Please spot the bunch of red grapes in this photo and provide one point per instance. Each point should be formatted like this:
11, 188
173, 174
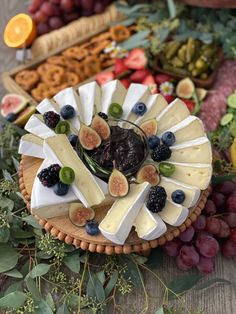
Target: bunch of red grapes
53, 14
212, 232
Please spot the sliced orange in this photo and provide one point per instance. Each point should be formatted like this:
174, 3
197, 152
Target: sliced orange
20, 31
233, 153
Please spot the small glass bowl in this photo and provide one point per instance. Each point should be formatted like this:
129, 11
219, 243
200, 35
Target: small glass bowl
104, 173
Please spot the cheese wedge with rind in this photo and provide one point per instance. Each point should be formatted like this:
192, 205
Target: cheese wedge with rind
135, 93
47, 105
31, 145
85, 187
112, 92
68, 96
149, 225
155, 105
198, 150
36, 126
120, 218
192, 194
198, 175
173, 214
175, 112
90, 98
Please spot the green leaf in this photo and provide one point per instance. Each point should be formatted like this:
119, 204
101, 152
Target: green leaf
33, 289
160, 311
221, 179
7, 175
15, 163
8, 257
134, 39
43, 308
183, 283
111, 283
31, 220
6, 203
16, 286
73, 301
44, 255
95, 288
21, 234
14, 273
39, 270
50, 301
139, 258
13, 300
72, 261
171, 8
211, 282
101, 276
155, 259
63, 309
132, 272
4, 234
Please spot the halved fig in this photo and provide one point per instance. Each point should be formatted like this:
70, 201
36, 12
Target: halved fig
201, 93
118, 185
79, 214
149, 127
101, 127
185, 88
148, 173
89, 138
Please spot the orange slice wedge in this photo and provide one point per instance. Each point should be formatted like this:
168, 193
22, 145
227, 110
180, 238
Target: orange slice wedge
20, 31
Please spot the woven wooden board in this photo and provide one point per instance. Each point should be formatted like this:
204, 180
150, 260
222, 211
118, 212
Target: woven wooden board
63, 229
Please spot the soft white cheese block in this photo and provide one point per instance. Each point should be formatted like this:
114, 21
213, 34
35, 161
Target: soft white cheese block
198, 150
36, 126
31, 145
192, 194
119, 219
173, 214
85, 187
90, 98
198, 175
149, 225
155, 105
175, 112
68, 96
112, 92
47, 105
135, 93
187, 130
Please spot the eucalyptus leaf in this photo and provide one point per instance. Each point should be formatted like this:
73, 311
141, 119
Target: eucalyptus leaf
156, 258
132, 272
111, 283
15, 163
4, 234
171, 8
31, 220
7, 175
126, 22
43, 308
13, 300
33, 289
72, 301
6, 203
135, 40
101, 276
95, 288
21, 234
43, 255
14, 273
16, 286
72, 261
139, 258
8, 258
160, 311
50, 301
63, 309
211, 282
39, 270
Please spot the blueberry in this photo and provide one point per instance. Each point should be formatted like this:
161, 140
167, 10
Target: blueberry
11, 117
61, 189
67, 112
139, 108
178, 196
153, 141
91, 227
73, 139
168, 138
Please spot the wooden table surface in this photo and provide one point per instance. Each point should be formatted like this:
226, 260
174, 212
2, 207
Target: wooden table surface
219, 299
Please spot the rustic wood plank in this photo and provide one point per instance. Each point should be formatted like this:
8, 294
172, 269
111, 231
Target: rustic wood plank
217, 300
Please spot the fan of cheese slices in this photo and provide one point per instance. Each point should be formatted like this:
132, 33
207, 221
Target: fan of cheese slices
191, 156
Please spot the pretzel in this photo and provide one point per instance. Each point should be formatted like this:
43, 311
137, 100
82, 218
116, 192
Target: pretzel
27, 79
41, 91
72, 78
54, 76
57, 60
101, 37
76, 52
92, 66
119, 33
43, 68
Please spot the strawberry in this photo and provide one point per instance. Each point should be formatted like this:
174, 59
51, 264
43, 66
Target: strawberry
149, 80
169, 98
136, 59
120, 67
189, 103
126, 82
139, 75
161, 78
104, 77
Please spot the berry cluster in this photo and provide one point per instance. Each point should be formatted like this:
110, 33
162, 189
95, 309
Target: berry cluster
213, 230
156, 199
160, 147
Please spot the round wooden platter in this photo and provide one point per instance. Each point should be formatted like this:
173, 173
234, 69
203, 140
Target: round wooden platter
63, 229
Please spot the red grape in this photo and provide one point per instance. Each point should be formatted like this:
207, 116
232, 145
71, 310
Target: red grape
87, 4
226, 187
99, 7
68, 17
55, 1
43, 28
188, 255
67, 4
34, 6
55, 22
40, 17
77, 3
230, 219
224, 230
207, 245
172, 247
85, 12
200, 223
206, 265
187, 235
48, 9
231, 203
218, 199
229, 249
181, 265
232, 235
210, 208
213, 225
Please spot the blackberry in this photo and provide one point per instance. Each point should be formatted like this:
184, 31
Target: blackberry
156, 199
161, 152
103, 115
51, 119
49, 176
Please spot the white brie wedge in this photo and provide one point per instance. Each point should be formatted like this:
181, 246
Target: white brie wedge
47, 105
149, 225
112, 92
173, 214
31, 145
120, 218
36, 126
